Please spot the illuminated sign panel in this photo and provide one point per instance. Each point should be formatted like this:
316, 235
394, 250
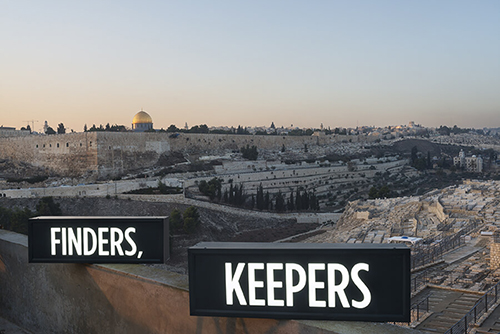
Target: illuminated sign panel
362, 282
98, 240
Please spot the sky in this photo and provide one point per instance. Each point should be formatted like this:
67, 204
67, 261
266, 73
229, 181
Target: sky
250, 63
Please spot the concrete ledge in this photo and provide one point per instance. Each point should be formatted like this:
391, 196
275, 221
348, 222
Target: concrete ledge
78, 298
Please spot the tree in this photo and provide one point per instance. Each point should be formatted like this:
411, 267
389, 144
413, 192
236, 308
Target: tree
249, 153
272, 125
175, 219
191, 219
60, 128
85, 128
266, 201
291, 204
199, 129
444, 130
260, 197
47, 207
212, 188
384, 191
373, 193
420, 164
50, 131
414, 151
298, 200
242, 131
280, 202
172, 128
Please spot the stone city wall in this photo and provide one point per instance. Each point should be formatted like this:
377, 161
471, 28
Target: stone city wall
111, 154
66, 154
4, 132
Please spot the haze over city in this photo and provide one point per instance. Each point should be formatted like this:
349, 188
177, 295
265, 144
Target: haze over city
252, 63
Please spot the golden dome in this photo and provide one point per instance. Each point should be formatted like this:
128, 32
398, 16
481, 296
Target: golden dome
142, 117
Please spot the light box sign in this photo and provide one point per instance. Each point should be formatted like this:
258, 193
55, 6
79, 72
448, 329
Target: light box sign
98, 240
362, 282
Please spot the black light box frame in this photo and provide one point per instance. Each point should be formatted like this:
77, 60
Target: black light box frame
216, 268
98, 239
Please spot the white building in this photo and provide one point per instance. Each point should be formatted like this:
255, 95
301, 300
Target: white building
470, 164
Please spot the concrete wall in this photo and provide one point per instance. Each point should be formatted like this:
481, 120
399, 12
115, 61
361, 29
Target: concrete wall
76, 298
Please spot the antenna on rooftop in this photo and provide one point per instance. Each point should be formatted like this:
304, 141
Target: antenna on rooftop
32, 123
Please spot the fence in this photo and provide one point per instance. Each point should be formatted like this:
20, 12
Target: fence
417, 311
432, 250
418, 281
481, 307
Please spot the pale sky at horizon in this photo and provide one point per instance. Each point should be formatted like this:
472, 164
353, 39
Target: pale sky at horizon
340, 63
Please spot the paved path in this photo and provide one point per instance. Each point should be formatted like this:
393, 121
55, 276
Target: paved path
447, 308
462, 252
491, 324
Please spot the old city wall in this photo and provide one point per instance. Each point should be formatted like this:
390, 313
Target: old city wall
111, 154
66, 154
206, 143
79, 298
119, 153
13, 133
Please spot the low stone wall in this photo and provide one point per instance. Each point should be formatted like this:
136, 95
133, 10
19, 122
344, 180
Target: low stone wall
77, 298
494, 255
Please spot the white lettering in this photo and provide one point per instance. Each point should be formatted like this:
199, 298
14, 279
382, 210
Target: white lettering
253, 284
233, 284
63, 240
75, 241
115, 243
53, 240
272, 284
86, 240
102, 240
337, 289
314, 285
87, 251
336, 280
290, 288
367, 297
131, 242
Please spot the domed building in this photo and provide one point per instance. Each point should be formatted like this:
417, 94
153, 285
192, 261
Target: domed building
142, 122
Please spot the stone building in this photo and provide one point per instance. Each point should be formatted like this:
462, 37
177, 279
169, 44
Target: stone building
470, 164
142, 122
